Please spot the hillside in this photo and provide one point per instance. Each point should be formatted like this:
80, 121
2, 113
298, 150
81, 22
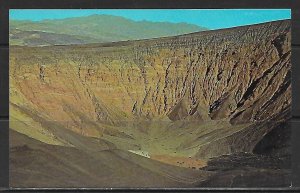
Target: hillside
91, 29
195, 102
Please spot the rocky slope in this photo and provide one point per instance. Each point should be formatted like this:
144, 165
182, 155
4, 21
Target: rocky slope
198, 95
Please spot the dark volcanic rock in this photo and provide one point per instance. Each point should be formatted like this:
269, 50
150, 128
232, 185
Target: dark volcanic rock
276, 142
249, 170
243, 160
249, 177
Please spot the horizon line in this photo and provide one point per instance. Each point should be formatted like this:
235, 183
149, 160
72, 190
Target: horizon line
207, 18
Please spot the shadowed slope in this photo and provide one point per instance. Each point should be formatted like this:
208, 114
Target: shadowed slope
57, 166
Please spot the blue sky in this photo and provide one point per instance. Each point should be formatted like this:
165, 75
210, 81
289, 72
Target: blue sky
212, 19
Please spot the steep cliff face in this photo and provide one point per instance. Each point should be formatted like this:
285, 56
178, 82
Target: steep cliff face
224, 83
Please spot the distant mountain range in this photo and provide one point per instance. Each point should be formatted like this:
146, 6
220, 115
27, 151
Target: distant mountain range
92, 29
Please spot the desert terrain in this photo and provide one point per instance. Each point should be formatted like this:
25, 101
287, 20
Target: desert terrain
204, 109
